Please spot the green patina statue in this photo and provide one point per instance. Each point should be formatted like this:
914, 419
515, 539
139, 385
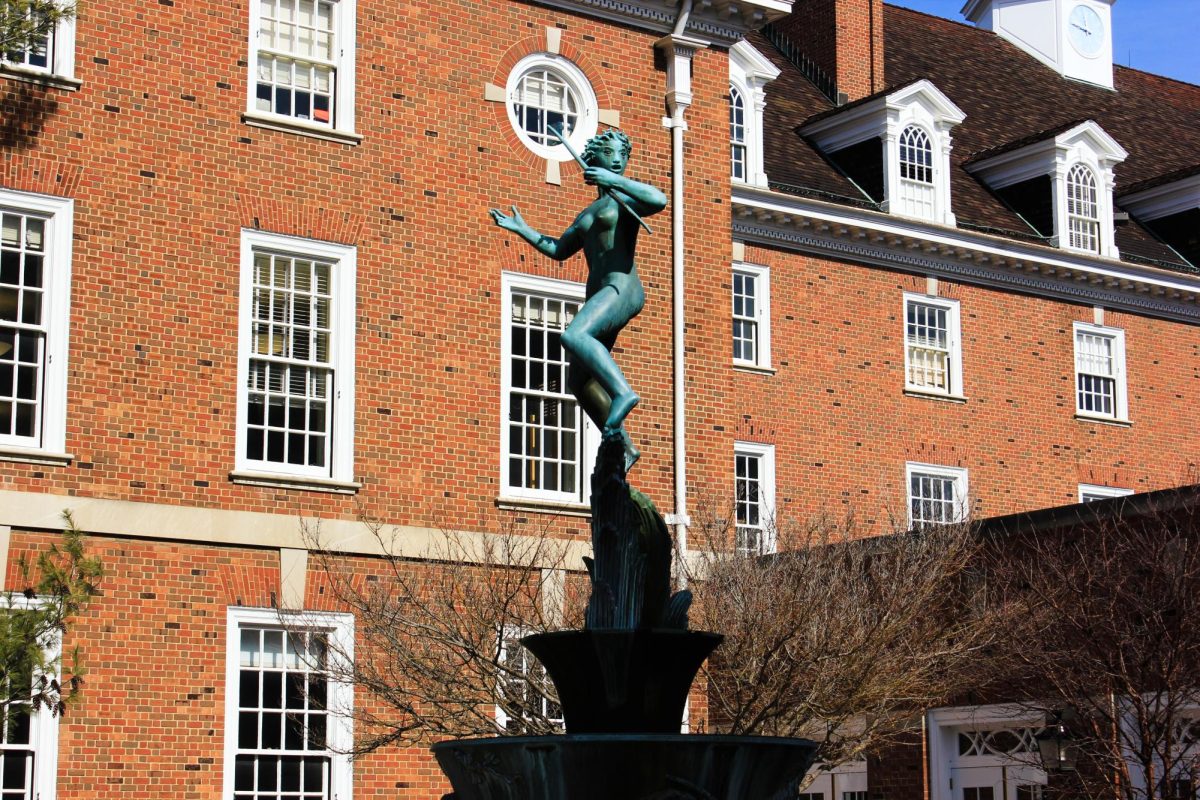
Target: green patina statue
607, 232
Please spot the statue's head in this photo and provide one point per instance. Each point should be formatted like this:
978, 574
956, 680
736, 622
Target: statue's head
611, 139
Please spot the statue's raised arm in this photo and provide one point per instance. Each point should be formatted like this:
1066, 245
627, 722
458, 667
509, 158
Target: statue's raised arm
607, 232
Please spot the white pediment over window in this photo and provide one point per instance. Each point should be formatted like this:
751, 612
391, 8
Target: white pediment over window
1078, 163
749, 73
914, 125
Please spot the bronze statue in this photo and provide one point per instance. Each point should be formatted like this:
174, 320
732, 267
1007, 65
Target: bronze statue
607, 232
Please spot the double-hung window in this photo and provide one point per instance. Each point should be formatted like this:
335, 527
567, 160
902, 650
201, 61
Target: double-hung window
936, 495
547, 441
28, 735
296, 370
50, 53
287, 714
751, 316
1100, 372
737, 134
1083, 210
754, 498
918, 191
526, 692
302, 63
932, 346
35, 282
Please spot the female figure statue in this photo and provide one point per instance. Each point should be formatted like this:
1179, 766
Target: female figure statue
607, 234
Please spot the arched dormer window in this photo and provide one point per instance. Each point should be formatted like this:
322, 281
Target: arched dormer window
737, 134
1083, 210
749, 73
896, 148
918, 193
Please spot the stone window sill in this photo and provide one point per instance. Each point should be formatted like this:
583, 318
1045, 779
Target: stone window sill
301, 482
543, 506
18, 455
945, 398
40, 78
279, 123
1120, 423
753, 368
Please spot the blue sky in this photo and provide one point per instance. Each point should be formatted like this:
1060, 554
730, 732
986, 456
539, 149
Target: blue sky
1159, 36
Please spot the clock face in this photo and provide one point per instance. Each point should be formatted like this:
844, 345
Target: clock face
1085, 31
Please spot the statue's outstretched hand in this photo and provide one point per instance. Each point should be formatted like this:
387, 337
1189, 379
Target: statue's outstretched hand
515, 223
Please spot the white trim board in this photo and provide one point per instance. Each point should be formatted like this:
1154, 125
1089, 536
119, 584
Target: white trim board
813, 226
39, 511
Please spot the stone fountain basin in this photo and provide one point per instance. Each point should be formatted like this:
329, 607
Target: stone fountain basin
625, 767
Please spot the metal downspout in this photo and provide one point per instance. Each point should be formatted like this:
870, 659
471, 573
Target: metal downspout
679, 49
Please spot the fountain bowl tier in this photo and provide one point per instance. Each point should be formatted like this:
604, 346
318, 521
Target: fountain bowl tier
625, 767
614, 681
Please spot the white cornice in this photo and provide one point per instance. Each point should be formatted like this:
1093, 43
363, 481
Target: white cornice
752, 63
869, 120
1040, 158
717, 21
1163, 201
814, 226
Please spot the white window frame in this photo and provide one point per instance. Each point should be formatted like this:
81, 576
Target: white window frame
761, 317
739, 156
750, 72
1089, 492
1121, 391
511, 635
959, 477
342, 120
589, 440
60, 70
1091, 185
765, 454
954, 366
43, 723
576, 81
342, 326
50, 442
914, 195
340, 699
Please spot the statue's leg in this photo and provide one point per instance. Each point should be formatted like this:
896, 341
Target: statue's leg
595, 403
588, 339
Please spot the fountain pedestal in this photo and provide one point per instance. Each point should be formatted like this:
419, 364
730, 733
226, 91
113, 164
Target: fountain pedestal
623, 684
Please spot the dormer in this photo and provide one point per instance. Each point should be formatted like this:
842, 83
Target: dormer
1169, 206
749, 73
895, 147
1072, 37
1060, 182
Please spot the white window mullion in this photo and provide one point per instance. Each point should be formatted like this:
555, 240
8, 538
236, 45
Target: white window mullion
1100, 386
937, 495
932, 346
296, 367
547, 442
754, 498
751, 295
35, 277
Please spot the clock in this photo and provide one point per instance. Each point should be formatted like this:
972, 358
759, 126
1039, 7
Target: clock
1085, 31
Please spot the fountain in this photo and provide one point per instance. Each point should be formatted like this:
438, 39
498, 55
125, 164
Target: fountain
623, 680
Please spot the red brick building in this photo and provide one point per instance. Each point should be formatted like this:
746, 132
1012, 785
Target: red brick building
248, 277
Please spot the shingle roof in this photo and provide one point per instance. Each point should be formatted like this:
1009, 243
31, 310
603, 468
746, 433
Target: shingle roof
1010, 99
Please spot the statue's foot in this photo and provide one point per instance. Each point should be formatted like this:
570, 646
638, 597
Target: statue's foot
622, 404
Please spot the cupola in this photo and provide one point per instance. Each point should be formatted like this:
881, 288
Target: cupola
1072, 37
